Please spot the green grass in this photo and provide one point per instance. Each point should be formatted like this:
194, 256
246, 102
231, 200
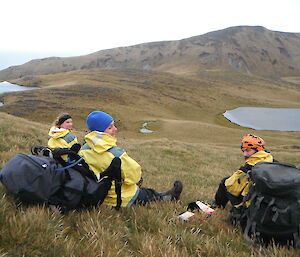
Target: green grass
191, 142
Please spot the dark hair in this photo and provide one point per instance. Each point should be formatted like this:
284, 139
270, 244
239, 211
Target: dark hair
62, 118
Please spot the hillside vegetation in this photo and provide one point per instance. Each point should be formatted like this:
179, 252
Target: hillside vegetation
192, 142
246, 49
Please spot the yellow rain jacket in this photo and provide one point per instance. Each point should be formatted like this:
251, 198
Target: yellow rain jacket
97, 156
61, 138
239, 184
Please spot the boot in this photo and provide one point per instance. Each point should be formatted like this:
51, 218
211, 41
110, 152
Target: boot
213, 204
173, 193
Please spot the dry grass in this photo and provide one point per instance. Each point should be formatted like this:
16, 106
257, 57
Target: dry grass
295, 80
191, 142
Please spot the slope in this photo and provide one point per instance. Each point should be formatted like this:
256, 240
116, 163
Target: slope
246, 49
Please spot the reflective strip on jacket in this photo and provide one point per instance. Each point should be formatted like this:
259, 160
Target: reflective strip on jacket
61, 138
239, 184
97, 156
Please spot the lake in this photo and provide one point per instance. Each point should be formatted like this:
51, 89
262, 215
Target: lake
258, 118
144, 129
6, 87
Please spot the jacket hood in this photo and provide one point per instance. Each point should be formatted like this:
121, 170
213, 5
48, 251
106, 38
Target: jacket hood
56, 132
260, 156
99, 141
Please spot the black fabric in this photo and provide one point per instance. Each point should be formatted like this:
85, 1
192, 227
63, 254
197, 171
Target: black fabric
222, 196
41, 150
117, 177
83, 168
274, 212
246, 168
112, 173
75, 148
147, 195
236, 216
278, 179
43, 180
93, 194
31, 178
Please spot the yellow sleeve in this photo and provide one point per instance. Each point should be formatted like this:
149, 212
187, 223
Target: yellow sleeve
237, 183
54, 143
131, 170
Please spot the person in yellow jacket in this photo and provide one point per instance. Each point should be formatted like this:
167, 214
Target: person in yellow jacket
99, 151
60, 133
233, 189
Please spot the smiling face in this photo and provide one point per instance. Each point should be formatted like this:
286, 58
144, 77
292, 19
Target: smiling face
247, 152
67, 124
111, 130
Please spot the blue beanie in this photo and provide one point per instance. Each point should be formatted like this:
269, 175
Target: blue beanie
98, 121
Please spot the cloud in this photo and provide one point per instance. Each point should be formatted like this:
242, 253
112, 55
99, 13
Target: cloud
92, 25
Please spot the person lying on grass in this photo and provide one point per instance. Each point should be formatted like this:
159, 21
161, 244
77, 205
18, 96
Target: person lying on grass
99, 151
233, 189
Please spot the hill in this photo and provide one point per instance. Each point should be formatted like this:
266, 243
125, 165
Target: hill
135, 97
191, 142
246, 49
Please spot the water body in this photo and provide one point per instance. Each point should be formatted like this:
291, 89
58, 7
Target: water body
6, 87
144, 129
282, 119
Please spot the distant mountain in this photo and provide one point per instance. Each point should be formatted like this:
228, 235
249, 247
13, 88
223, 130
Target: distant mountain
10, 58
247, 49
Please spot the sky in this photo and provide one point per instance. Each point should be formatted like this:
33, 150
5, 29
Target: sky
31, 29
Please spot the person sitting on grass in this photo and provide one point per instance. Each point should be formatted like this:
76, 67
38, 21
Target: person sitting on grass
233, 189
99, 151
61, 136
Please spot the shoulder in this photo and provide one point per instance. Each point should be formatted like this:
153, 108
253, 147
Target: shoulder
116, 151
245, 168
69, 137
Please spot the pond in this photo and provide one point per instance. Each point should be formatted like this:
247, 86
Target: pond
6, 87
258, 118
144, 129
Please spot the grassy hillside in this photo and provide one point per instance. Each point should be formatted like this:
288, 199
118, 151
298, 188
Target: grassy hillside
247, 49
191, 142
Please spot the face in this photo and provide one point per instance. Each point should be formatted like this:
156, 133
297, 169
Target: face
67, 124
111, 130
247, 152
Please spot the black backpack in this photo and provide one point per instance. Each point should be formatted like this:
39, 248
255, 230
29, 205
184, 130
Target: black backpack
274, 212
44, 180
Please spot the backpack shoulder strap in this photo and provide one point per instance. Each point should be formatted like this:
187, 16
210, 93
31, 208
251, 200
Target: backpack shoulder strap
114, 170
117, 152
77, 162
70, 166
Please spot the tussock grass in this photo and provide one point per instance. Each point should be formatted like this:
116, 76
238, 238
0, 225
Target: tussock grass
190, 142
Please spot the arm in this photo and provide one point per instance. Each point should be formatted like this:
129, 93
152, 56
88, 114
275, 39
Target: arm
131, 170
239, 181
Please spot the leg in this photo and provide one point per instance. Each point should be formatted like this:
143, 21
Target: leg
147, 195
221, 196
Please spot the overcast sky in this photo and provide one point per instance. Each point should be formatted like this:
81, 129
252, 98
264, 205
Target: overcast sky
40, 28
